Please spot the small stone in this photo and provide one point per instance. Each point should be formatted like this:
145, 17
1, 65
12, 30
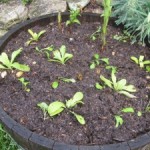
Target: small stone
113, 53
71, 39
34, 62
147, 77
98, 71
3, 74
19, 74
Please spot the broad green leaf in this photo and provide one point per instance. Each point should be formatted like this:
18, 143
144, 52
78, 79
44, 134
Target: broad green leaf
5, 60
63, 51
129, 88
135, 59
67, 57
40, 33
80, 119
2, 67
92, 66
128, 110
57, 55
15, 54
146, 62
121, 84
31, 32
77, 21
106, 81
43, 106
139, 113
55, 108
127, 94
119, 121
75, 100
21, 67
98, 86
55, 85
141, 58
106, 60
114, 80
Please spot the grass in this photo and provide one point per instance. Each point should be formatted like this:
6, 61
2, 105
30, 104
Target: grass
6, 141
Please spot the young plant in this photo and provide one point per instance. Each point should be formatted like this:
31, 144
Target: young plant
67, 80
55, 108
119, 121
140, 61
119, 86
106, 15
7, 63
34, 36
44, 108
55, 84
96, 34
24, 83
45, 50
61, 56
73, 17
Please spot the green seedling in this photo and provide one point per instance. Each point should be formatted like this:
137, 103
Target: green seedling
147, 68
139, 113
67, 80
111, 68
55, 84
24, 83
46, 50
106, 15
34, 36
140, 61
55, 108
61, 56
73, 17
119, 86
119, 121
96, 34
10, 64
95, 62
98, 86
127, 110
44, 108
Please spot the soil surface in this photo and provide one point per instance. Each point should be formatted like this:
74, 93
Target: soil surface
100, 106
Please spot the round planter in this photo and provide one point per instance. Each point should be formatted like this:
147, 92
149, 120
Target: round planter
32, 141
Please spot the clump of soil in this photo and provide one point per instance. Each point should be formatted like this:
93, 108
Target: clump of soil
100, 106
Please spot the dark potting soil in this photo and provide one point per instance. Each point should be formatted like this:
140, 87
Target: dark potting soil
100, 106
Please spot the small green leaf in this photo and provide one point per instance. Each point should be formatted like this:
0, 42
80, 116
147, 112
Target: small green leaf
15, 54
5, 60
106, 60
98, 86
67, 80
80, 118
92, 65
43, 106
96, 56
119, 121
55, 108
139, 113
148, 68
55, 84
127, 94
135, 59
106, 81
21, 67
128, 110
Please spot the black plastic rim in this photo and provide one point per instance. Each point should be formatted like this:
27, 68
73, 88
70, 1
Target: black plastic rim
33, 141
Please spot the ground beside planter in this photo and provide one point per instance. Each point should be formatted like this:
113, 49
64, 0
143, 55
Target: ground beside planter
100, 128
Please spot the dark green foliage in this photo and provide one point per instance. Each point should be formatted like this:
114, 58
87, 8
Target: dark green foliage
135, 16
25, 2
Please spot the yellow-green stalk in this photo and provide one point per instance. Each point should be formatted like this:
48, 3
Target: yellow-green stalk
106, 15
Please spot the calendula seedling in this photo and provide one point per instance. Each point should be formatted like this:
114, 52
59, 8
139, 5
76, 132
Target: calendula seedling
96, 34
44, 108
55, 84
24, 83
119, 86
128, 110
71, 80
73, 17
140, 61
34, 36
57, 107
61, 56
11, 64
46, 50
119, 121
147, 68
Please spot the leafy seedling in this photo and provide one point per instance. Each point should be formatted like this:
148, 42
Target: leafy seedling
119, 121
61, 56
148, 68
95, 61
140, 61
55, 108
55, 84
119, 86
98, 86
24, 83
34, 36
96, 34
127, 110
10, 64
46, 50
44, 108
67, 80
73, 17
